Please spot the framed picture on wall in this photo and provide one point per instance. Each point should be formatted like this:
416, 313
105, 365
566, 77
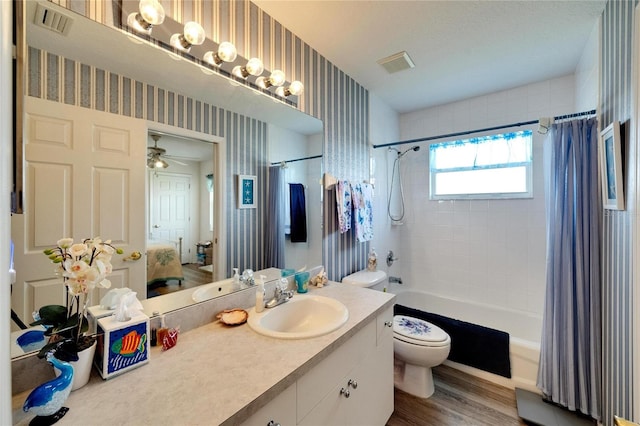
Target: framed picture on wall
611, 167
246, 192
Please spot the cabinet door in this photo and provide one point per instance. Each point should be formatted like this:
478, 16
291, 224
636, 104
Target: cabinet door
280, 410
322, 379
333, 409
370, 388
371, 401
384, 325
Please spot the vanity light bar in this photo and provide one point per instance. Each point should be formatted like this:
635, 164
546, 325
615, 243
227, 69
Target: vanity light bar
151, 13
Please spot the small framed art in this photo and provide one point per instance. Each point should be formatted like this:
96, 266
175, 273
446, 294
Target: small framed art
246, 192
611, 167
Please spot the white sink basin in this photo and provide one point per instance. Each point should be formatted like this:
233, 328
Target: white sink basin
303, 316
211, 290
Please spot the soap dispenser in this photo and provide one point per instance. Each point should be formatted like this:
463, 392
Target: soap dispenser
260, 294
236, 278
372, 261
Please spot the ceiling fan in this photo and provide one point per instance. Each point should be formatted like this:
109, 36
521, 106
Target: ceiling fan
156, 156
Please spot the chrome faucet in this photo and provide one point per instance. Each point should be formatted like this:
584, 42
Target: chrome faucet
281, 294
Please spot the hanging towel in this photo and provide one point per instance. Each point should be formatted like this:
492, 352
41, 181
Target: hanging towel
287, 203
298, 213
343, 203
362, 196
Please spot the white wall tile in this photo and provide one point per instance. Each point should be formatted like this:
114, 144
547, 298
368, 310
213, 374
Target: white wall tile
482, 251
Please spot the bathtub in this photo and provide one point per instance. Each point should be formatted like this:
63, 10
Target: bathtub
524, 333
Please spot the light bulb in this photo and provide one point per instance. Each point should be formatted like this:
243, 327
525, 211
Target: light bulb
227, 52
194, 33
277, 78
262, 82
152, 11
238, 72
254, 66
296, 88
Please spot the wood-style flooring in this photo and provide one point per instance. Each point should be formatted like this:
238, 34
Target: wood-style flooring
459, 400
193, 277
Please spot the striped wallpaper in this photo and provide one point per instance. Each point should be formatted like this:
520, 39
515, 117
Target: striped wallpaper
59, 79
618, 339
330, 95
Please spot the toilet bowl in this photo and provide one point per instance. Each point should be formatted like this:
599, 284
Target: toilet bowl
418, 345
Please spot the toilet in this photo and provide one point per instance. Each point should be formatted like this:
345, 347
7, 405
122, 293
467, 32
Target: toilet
418, 345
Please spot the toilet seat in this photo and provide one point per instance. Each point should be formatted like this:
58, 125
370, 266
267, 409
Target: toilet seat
419, 332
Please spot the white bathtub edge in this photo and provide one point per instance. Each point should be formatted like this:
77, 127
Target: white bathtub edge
524, 367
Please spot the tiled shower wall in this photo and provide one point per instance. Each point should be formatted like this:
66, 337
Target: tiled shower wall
619, 227
330, 95
489, 252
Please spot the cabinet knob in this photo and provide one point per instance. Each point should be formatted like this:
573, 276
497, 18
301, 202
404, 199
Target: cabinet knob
272, 423
352, 383
388, 323
345, 392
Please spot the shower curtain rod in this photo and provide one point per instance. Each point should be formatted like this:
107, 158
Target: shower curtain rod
296, 159
487, 129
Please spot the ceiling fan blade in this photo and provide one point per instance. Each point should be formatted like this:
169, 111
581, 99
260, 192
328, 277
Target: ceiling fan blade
174, 161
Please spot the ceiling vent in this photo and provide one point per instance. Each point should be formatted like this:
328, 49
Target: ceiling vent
397, 62
52, 20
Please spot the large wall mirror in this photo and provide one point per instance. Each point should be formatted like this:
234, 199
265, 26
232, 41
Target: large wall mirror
101, 69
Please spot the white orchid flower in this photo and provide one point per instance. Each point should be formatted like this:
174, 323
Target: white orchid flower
65, 243
77, 250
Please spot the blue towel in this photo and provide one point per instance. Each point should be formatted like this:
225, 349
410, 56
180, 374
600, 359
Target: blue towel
298, 213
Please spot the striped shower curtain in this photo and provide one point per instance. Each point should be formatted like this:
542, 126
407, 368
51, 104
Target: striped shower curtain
570, 353
274, 241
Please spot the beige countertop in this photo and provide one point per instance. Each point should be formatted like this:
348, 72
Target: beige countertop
215, 375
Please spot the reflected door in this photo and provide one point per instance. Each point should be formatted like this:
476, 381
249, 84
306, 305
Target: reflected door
84, 176
170, 217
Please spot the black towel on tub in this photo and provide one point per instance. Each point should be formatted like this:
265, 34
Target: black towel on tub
298, 213
471, 344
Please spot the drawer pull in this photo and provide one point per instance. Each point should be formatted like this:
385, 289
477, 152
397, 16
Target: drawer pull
272, 423
345, 392
352, 383
388, 323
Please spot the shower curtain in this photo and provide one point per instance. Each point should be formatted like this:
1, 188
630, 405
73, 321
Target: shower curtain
274, 250
570, 370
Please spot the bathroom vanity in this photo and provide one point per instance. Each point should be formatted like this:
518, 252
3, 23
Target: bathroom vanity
233, 375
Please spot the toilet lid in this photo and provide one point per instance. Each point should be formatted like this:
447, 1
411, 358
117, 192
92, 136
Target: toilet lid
418, 331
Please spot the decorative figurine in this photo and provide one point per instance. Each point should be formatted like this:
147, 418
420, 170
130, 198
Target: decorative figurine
46, 400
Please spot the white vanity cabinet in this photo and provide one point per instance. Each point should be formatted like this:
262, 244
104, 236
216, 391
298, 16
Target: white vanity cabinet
353, 385
364, 395
281, 410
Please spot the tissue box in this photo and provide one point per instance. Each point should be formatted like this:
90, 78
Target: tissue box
121, 345
94, 313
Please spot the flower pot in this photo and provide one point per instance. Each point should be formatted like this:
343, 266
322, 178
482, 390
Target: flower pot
82, 367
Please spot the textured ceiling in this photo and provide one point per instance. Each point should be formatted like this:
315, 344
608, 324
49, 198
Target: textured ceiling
461, 48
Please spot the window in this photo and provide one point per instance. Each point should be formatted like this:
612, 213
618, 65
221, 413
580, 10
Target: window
497, 166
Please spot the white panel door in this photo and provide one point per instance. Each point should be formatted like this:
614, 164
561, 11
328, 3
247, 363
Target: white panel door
84, 177
170, 212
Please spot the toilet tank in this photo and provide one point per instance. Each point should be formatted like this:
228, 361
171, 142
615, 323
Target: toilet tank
376, 280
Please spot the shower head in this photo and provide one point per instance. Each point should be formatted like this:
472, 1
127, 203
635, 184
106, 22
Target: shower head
415, 148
